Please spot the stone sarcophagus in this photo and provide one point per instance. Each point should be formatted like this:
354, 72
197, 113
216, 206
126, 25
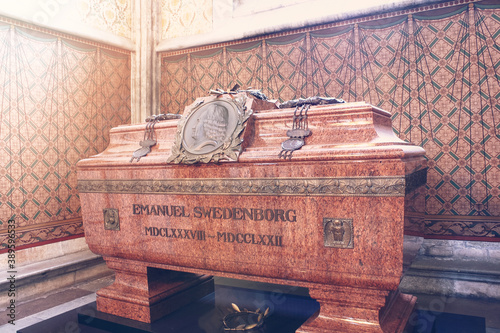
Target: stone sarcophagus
216, 195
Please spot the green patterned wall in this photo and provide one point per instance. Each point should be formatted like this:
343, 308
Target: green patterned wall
58, 99
436, 69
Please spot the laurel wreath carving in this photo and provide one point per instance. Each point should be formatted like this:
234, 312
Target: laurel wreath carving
243, 324
370, 186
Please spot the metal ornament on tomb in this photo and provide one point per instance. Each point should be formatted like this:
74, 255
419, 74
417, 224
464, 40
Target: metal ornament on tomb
300, 128
111, 219
211, 129
149, 139
338, 233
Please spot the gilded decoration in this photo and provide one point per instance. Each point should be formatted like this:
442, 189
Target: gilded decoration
373, 186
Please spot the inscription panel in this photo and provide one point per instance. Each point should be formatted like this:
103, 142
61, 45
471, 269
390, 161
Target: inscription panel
175, 213
231, 232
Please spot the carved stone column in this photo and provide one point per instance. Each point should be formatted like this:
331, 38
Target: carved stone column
145, 60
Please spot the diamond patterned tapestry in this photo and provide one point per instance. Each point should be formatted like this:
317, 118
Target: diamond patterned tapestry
436, 69
58, 100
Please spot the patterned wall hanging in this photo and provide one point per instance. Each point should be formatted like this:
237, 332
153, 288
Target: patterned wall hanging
58, 99
434, 68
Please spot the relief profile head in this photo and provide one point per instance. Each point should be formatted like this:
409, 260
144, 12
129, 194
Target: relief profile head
210, 128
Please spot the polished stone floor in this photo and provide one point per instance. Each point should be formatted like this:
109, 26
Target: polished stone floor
289, 308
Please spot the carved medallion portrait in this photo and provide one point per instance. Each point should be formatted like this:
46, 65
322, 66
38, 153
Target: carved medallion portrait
209, 127
338, 233
210, 130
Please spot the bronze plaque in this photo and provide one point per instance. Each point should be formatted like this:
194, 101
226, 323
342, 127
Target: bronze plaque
338, 232
111, 219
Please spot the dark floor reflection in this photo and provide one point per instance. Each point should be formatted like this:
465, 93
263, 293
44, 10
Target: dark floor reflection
288, 310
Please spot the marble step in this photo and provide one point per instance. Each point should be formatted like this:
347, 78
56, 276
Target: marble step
453, 277
45, 276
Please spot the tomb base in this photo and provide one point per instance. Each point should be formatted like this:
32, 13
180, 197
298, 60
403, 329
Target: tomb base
346, 309
146, 294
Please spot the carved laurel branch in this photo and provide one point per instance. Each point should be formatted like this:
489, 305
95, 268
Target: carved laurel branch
386, 186
230, 150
